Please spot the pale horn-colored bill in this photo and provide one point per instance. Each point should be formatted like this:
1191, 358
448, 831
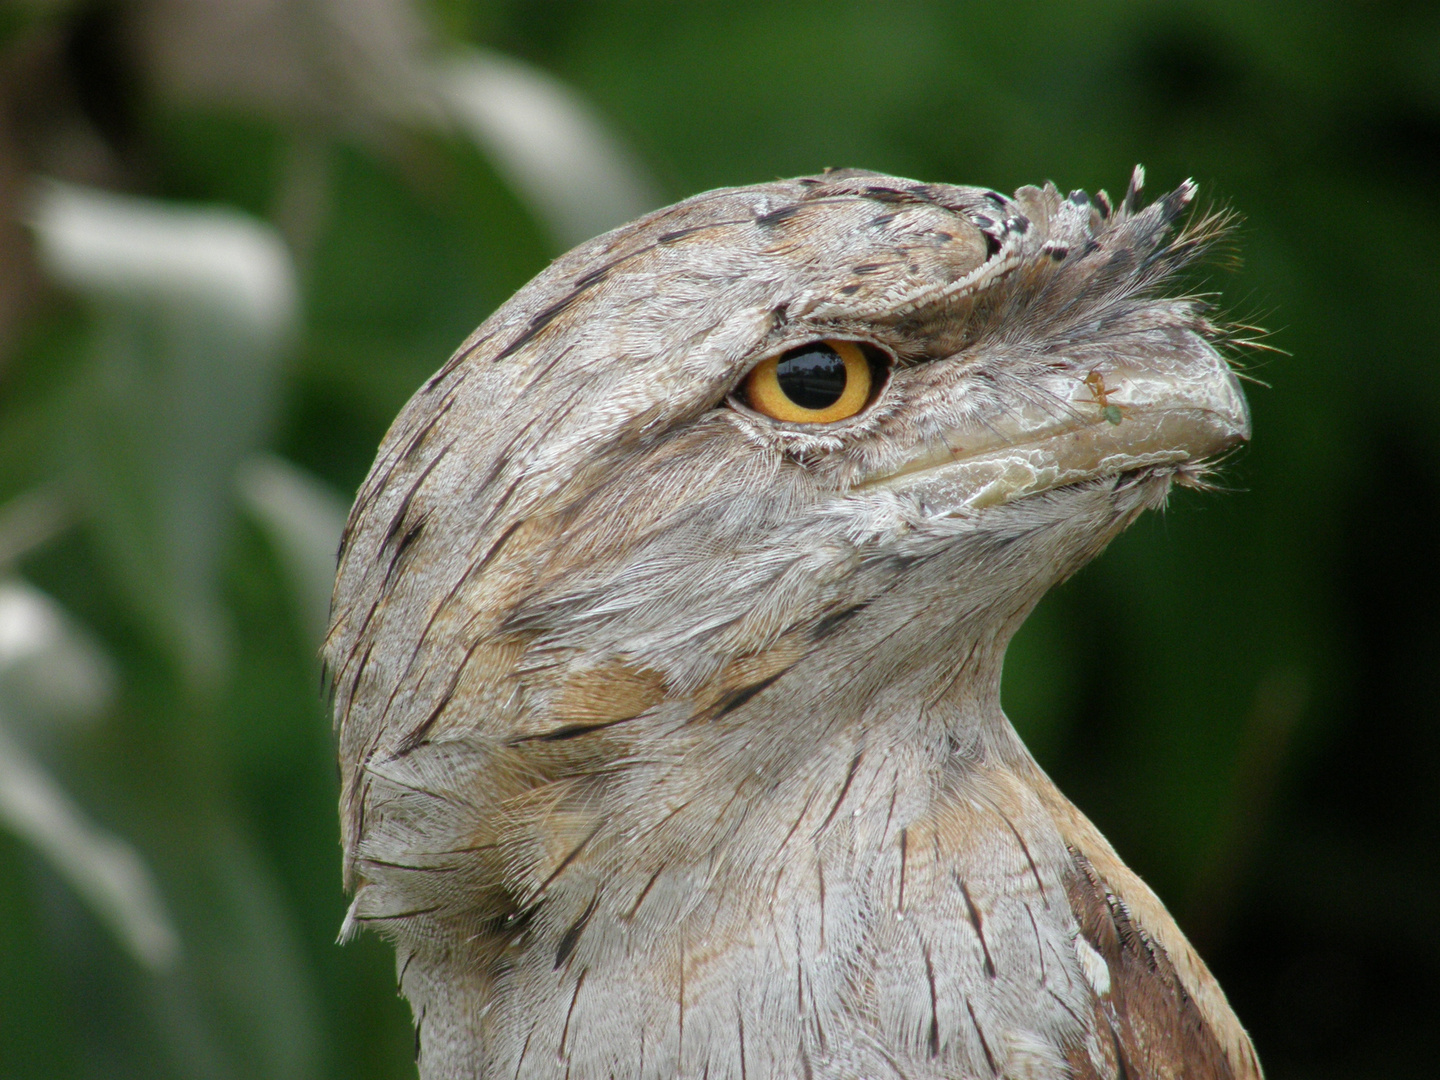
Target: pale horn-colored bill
1116, 422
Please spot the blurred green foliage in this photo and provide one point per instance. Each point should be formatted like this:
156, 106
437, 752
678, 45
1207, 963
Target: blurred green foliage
1244, 693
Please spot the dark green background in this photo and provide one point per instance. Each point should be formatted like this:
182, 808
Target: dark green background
1242, 692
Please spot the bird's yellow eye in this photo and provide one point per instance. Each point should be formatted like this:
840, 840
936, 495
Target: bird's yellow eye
817, 383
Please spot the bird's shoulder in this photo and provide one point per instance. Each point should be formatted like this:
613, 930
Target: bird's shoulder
1158, 1012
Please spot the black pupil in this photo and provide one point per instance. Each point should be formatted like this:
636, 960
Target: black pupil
812, 376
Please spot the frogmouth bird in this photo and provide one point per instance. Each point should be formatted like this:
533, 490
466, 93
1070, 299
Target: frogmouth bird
667, 640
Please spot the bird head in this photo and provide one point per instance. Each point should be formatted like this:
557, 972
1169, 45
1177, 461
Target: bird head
757, 472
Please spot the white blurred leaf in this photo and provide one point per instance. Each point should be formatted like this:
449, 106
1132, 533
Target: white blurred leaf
332, 62
104, 870
194, 310
547, 142
141, 251
52, 670
303, 517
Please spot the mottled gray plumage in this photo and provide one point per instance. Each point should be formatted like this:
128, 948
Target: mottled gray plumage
670, 734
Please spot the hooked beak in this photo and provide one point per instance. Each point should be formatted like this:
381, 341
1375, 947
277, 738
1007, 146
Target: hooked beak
1112, 420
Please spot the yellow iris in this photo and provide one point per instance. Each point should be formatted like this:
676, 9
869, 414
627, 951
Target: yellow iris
817, 383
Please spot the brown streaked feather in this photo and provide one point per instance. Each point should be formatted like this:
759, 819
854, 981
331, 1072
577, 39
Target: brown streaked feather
1155, 1028
1167, 1012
